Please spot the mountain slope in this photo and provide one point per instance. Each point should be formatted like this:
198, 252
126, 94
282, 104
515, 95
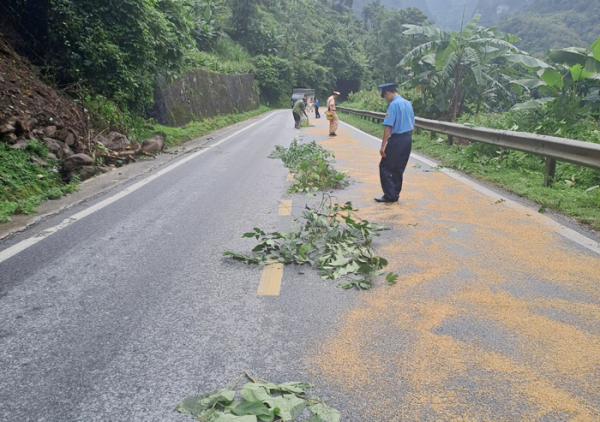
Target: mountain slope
448, 14
554, 24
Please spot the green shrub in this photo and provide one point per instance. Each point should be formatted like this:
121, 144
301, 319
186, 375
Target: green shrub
23, 184
38, 148
54, 193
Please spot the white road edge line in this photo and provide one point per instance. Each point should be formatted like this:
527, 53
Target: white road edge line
566, 232
24, 244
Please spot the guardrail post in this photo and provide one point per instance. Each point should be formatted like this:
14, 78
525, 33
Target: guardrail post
450, 139
549, 172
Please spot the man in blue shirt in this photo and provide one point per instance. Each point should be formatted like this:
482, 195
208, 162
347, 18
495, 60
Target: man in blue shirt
396, 144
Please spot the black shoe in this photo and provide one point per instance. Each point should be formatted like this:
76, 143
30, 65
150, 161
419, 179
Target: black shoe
385, 199
332, 134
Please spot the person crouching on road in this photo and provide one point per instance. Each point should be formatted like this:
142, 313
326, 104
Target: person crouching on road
396, 144
299, 107
333, 123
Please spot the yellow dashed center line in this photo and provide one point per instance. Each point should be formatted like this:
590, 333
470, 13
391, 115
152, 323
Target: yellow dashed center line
286, 207
270, 282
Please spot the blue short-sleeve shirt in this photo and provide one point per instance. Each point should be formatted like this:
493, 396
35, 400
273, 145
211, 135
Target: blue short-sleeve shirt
400, 116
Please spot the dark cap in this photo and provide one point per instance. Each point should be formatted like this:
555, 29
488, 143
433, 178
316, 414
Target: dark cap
389, 87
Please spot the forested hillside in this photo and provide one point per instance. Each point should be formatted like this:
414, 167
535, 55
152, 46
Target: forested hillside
541, 24
117, 49
448, 14
555, 24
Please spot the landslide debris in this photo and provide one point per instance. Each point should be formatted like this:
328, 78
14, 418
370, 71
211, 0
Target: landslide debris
31, 109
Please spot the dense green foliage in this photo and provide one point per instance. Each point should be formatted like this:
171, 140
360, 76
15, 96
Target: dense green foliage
547, 24
117, 49
451, 70
114, 48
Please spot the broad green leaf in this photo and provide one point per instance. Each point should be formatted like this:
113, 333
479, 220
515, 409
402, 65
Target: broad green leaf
551, 77
533, 103
253, 408
595, 49
253, 392
570, 56
412, 29
470, 27
529, 83
365, 269
592, 67
196, 405
294, 387
527, 61
325, 412
578, 72
291, 407
429, 59
391, 278
476, 64
442, 55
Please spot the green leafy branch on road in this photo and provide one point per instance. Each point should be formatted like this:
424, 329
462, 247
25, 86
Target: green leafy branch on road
311, 166
260, 401
331, 238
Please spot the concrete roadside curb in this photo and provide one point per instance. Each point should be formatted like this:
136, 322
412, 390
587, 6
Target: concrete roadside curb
100, 185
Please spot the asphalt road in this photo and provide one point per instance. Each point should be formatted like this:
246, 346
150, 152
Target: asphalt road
122, 314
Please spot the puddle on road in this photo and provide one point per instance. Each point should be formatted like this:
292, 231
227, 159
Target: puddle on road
493, 318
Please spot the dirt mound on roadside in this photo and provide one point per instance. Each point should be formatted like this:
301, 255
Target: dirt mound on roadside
30, 109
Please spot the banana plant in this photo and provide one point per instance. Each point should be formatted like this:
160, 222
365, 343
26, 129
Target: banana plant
474, 54
573, 78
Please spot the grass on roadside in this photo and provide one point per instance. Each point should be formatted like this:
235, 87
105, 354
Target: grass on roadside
176, 136
24, 184
513, 171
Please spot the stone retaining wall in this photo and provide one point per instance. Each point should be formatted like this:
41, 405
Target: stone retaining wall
199, 94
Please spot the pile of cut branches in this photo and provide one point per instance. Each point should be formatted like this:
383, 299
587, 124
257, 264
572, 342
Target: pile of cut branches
259, 401
330, 237
311, 165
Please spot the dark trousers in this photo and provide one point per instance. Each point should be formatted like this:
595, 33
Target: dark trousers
296, 119
392, 166
317, 115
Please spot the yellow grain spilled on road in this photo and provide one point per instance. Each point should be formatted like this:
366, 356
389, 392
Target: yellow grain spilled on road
494, 317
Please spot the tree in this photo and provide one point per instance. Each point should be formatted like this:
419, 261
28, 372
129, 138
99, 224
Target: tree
385, 44
471, 54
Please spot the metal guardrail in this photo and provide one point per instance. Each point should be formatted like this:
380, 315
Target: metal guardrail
582, 153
